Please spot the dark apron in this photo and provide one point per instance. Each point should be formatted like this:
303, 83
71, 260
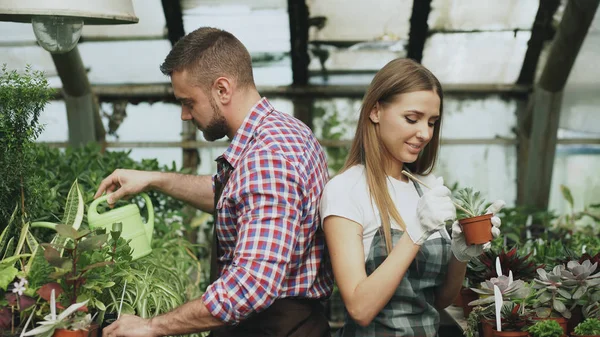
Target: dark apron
291, 317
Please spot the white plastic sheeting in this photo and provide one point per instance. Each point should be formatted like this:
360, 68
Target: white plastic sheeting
581, 100
482, 14
361, 20
494, 57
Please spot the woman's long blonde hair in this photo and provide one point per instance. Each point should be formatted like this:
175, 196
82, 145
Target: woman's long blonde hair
397, 77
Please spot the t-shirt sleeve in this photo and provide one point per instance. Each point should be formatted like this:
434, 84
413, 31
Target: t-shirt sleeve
342, 198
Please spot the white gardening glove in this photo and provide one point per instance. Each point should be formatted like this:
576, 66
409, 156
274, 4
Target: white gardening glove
459, 246
433, 210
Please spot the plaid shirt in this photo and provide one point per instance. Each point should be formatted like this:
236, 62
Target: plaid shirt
270, 244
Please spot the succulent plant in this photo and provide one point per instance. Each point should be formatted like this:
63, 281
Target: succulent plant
592, 310
483, 268
514, 317
545, 328
581, 277
551, 293
470, 200
510, 290
589, 327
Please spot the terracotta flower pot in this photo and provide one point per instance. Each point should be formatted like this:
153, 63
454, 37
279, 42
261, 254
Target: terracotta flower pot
478, 230
487, 328
467, 295
70, 333
511, 333
92, 332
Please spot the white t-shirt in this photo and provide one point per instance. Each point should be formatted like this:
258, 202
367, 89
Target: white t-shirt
347, 195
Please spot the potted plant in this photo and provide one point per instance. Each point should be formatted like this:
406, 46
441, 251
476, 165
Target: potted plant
483, 268
514, 293
69, 323
545, 328
584, 280
551, 296
514, 320
477, 226
588, 328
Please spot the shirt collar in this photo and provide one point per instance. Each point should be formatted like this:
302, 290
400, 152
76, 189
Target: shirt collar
246, 131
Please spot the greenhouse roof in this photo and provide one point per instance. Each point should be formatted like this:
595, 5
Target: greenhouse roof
466, 41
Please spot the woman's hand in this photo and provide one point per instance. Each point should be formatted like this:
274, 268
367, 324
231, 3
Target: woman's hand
433, 210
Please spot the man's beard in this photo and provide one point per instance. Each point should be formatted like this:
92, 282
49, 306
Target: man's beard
217, 127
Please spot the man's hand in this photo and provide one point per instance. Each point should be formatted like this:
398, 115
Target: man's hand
130, 326
459, 246
433, 210
122, 183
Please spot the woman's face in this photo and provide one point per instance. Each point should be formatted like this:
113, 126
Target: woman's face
406, 125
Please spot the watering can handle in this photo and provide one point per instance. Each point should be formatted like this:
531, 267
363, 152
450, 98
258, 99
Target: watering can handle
92, 210
149, 225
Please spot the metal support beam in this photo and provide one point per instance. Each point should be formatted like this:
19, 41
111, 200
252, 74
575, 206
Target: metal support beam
546, 100
418, 29
83, 112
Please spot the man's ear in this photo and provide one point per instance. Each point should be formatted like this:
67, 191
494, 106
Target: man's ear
374, 115
224, 90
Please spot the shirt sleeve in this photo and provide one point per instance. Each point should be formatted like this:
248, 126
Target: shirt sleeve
340, 199
268, 209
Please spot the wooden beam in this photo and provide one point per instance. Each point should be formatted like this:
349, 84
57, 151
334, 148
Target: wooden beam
193, 144
83, 111
541, 32
418, 29
163, 92
190, 156
547, 97
174, 20
298, 19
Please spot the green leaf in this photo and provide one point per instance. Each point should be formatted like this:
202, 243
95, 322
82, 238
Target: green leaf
74, 207
92, 243
67, 231
559, 306
96, 265
2, 236
53, 257
566, 192
100, 305
7, 274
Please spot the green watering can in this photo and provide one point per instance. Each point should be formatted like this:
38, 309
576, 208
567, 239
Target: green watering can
134, 229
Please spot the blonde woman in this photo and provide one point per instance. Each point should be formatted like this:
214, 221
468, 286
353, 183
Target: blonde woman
393, 260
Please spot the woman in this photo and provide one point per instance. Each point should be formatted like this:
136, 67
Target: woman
393, 284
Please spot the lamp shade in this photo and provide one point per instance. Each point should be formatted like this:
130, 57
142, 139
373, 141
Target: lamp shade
92, 12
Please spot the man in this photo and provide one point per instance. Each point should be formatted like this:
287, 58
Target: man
272, 265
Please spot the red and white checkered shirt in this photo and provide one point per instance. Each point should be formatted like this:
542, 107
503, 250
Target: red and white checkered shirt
268, 226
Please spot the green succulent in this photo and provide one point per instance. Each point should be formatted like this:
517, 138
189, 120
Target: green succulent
470, 200
589, 327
